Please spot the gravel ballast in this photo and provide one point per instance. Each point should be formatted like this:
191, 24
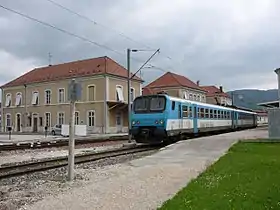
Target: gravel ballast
143, 183
19, 192
7, 157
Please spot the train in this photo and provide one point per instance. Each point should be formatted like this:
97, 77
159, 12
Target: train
162, 118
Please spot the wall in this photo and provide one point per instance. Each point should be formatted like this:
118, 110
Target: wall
274, 123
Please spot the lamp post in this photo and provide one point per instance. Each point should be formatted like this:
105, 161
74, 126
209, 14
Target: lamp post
129, 84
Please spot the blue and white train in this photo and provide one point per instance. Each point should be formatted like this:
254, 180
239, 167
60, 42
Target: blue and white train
159, 118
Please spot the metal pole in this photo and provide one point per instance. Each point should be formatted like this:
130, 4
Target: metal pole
157, 51
278, 87
128, 93
71, 155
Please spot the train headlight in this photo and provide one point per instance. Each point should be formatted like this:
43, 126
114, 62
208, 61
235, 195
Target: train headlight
161, 122
133, 122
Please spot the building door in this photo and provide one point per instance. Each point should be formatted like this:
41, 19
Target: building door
18, 121
35, 124
119, 123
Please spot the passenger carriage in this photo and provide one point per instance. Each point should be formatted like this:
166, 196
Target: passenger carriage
158, 118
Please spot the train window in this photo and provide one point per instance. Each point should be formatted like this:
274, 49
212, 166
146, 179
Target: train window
202, 112
173, 105
190, 111
211, 113
215, 114
206, 113
218, 114
157, 103
185, 111
198, 112
141, 104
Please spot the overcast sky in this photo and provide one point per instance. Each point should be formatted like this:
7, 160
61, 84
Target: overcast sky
231, 43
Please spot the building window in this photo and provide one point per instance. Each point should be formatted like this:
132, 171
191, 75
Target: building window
203, 99
198, 97
119, 93
194, 97
61, 95
91, 116
60, 120
8, 100
91, 93
77, 118
47, 97
8, 120
132, 94
191, 97
35, 98
29, 121
185, 95
40, 121
48, 119
18, 99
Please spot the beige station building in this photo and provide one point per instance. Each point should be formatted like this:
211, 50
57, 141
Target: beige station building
39, 98
177, 86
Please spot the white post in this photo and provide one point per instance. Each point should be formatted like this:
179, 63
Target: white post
71, 155
71, 152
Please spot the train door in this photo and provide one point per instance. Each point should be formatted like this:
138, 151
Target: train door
195, 129
236, 116
180, 116
233, 119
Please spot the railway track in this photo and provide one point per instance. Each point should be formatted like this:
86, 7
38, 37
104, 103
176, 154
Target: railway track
46, 164
55, 143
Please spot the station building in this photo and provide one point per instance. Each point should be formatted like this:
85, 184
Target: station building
177, 86
217, 96
39, 97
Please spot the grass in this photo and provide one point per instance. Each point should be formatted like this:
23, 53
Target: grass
248, 177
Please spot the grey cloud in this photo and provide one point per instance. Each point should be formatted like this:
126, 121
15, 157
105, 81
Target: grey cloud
217, 43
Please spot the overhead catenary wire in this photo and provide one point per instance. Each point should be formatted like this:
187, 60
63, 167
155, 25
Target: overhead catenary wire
106, 27
73, 34
65, 31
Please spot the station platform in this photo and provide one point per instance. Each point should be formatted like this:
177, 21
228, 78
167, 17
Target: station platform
147, 182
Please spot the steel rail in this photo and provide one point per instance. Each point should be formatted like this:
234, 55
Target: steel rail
55, 143
16, 169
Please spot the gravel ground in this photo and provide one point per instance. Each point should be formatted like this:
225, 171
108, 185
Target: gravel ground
29, 154
19, 192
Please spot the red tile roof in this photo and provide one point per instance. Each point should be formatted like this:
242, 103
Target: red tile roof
213, 91
147, 91
81, 68
172, 80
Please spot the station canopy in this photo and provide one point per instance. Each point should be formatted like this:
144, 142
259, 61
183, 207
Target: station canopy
269, 104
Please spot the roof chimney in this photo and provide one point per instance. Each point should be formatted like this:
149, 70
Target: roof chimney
197, 82
221, 89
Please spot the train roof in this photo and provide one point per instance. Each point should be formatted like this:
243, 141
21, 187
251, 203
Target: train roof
199, 103
207, 105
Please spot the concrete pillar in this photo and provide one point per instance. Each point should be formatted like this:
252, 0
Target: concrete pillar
277, 71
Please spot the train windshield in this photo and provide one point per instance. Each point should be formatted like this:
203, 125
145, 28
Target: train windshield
149, 104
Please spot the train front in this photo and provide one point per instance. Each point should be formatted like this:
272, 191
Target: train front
148, 118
